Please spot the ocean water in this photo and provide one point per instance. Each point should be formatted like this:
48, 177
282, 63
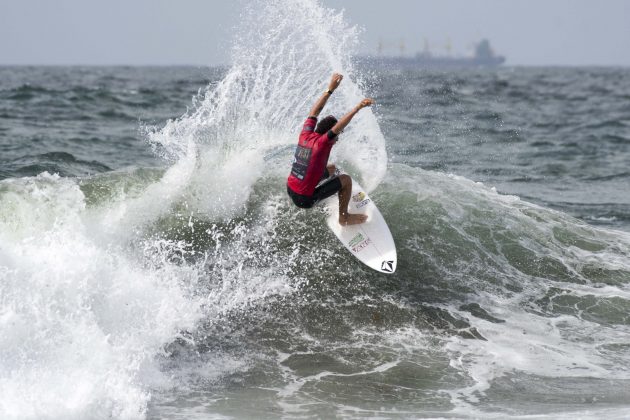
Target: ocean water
152, 267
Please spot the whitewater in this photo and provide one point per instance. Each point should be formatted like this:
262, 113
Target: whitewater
165, 274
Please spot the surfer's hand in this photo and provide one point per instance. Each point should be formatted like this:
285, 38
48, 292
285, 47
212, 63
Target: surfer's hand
335, 80
365, 102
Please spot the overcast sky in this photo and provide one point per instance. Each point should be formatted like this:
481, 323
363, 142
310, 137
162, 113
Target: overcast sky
531, 32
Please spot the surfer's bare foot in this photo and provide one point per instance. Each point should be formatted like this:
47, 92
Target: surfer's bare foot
352, 219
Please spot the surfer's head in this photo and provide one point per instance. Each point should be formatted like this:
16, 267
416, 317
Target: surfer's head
325, 124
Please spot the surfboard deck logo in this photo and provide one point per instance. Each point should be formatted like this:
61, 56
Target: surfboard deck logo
361, 199
358, 197
387, 266
370, 242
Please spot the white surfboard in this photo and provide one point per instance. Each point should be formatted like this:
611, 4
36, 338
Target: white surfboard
370, 242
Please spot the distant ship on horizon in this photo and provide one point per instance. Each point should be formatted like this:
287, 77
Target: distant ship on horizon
483, 56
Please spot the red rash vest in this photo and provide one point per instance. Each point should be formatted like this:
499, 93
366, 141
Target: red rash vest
311, 157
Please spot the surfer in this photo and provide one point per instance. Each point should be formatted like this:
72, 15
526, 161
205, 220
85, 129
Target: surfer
311, 178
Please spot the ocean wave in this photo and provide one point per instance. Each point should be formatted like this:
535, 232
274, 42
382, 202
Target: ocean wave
62, 163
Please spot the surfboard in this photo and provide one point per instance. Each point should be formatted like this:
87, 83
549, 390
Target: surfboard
370, 242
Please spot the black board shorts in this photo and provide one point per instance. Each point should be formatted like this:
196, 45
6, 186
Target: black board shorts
324, 190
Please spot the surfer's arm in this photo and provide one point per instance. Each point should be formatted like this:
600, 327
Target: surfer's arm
321, 102
345, 120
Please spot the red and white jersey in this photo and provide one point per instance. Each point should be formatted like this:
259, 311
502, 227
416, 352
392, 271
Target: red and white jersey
311, 157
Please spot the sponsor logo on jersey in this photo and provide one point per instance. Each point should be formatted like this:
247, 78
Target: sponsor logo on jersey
302, 153
301, 160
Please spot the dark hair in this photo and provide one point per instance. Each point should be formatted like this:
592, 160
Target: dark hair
325, 124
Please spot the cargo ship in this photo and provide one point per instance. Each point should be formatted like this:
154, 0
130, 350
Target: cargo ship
483, 56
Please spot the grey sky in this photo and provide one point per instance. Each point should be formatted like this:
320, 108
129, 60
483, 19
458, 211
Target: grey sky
532, 32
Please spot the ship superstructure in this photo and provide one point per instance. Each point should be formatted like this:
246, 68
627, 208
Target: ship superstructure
483, 56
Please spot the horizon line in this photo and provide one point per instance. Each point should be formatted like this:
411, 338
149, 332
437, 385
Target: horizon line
508, 65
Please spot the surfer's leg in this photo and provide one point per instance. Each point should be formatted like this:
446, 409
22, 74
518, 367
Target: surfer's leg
328, 188
346, 218
331, 169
